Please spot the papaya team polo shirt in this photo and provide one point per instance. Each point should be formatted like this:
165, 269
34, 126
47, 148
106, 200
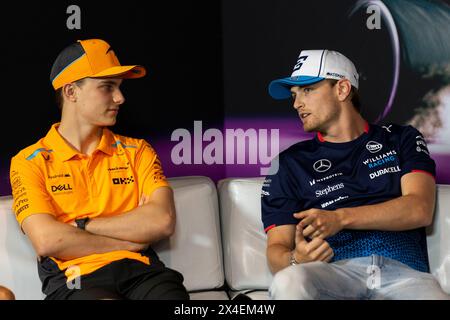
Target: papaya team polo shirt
51, 177
324, 175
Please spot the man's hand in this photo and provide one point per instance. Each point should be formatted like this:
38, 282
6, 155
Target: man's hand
318, 223
315, 250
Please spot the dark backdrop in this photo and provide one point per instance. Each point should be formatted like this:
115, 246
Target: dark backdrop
179, 42
212, 61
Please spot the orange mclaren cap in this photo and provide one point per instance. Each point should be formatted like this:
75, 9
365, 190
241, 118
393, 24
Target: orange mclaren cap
91, 58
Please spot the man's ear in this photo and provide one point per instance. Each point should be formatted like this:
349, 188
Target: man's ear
69, 92
344, 88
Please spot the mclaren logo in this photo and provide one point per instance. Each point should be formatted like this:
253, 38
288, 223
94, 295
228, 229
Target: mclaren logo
123, 180
374, 146
61, 187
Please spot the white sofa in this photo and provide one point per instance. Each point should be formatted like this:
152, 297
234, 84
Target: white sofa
219, 242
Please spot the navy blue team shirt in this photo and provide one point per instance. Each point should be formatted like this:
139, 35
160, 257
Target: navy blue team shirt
324, 175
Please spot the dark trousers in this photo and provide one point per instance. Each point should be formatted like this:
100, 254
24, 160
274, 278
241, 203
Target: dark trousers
126, 279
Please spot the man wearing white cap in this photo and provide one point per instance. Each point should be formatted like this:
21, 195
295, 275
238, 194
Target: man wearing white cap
345, 211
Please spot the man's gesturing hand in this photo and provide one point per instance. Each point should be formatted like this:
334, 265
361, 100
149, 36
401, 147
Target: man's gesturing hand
319, 223
315, 250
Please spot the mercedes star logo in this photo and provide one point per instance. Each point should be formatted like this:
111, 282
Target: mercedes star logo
322, 165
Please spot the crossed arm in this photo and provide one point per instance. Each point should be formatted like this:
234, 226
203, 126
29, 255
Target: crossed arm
413, 209
134, 230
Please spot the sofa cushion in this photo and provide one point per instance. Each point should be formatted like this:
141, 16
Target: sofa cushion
244, 239
438, 238
18, 266
195, 250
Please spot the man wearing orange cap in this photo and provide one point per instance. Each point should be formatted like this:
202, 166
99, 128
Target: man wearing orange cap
93, 202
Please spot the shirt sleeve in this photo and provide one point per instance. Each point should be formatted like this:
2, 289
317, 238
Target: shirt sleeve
414, 153
149, 169
30, 195
279, 197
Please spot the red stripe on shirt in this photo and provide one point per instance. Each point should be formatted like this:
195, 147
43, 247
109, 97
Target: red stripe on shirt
270, 227
426, 172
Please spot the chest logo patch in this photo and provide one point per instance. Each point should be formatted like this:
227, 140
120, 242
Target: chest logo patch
374, 146
123, 180
322, 165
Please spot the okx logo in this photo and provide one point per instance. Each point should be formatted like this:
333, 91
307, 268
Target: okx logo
123, 180
61, 187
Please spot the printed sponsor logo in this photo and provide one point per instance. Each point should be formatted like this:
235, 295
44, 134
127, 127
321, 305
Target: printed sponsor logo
382, 172
21, 209
388, 128
326, 204
334, 74
267, 183
21, 202
20, 195
61, 175
421, 145
61, 187
20, 191
382, 161
300, 61
322, 165
380, 157
419, 149
118, 169
314, 181
329, 189
16, 182
374, 146
123, 180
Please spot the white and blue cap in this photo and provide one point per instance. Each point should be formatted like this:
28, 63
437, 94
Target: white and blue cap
313, 66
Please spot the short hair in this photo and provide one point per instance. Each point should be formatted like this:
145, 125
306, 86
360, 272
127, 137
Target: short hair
59, 98
355, 99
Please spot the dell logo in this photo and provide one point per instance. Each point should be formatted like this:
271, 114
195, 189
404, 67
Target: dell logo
61, 187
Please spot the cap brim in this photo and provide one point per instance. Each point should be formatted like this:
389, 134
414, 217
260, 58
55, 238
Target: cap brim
280, 89
124, 72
